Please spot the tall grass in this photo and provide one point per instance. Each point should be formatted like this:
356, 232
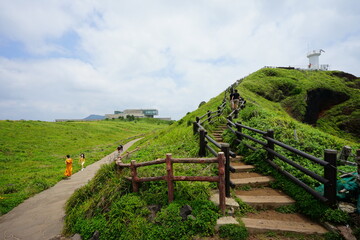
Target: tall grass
32, 153
92, 208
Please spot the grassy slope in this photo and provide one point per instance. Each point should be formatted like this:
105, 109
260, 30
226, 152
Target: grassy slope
264, 114
93, 207
32, 153
287, 90
95, 210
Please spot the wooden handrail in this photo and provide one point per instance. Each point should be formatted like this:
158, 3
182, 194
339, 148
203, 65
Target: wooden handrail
329, 180
170, 178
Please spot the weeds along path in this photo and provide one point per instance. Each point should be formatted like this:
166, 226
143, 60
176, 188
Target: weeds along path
41, 216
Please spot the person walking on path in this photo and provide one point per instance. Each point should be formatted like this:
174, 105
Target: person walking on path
41, 217
82, 161
235, 99
68, 162
120, 148
231, 98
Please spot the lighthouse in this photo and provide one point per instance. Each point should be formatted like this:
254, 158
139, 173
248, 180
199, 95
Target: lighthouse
314, 59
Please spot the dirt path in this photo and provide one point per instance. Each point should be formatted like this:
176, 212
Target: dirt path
41, 216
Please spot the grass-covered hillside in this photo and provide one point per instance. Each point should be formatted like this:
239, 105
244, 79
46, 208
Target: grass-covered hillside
276, 99
32, 153
285, 115
329, 100
106, 204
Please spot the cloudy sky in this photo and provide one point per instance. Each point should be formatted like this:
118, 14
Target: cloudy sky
73, 58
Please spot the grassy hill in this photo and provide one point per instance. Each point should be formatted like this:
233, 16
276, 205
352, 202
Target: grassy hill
32, 153
276, 99
328, 100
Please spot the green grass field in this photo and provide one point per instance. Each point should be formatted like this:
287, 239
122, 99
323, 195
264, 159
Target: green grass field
107, 204
32, 153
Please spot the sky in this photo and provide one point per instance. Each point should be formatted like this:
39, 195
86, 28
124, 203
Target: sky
70, 58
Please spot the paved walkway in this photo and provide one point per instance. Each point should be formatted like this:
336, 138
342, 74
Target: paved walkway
41, 216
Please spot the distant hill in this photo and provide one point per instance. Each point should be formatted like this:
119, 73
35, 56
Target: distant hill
95, 117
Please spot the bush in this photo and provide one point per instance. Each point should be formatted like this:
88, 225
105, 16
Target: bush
336, 216
171, 226
233, 232
333, 236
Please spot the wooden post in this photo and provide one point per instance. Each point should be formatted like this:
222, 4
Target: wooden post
225, 148
270, 134
222, 200
134, 176
195, 128
345, 153
195, 125
239, 129
230, 119
202, 149
330, 175
170, 177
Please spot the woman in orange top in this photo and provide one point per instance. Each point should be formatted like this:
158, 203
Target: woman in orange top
68, 162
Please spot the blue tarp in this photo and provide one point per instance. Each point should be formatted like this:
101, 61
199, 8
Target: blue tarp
347, 188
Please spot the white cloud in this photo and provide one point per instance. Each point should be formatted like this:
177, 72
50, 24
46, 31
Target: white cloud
84, 57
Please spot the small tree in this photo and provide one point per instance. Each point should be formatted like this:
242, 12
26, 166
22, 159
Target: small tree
130, 117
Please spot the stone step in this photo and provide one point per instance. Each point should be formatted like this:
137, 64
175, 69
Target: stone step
279, 222
237, 159
241, 167
229, 202
225, 220
253, 182
246, 175
250, 178
217, 136
218, 132
267, 198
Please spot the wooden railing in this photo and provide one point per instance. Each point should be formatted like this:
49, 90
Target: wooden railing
210, 116
170, 178
223, 147
329, 162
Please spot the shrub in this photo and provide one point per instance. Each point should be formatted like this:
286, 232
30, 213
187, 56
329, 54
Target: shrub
233, 232
171, 226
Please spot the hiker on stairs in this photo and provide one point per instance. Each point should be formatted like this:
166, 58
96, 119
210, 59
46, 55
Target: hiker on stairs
235, 99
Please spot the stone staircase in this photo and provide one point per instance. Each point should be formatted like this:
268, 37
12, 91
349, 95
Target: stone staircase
253, 189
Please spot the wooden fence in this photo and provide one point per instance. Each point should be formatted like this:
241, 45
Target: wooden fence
329, 162
170, 178
223, 147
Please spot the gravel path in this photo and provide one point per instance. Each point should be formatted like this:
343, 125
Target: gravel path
41, 216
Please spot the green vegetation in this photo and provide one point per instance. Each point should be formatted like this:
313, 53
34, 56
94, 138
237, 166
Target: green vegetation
32, 153
295, 92
90, 203
271, 94
276, 99
233, 232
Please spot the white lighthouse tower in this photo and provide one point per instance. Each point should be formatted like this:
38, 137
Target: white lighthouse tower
314, 59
